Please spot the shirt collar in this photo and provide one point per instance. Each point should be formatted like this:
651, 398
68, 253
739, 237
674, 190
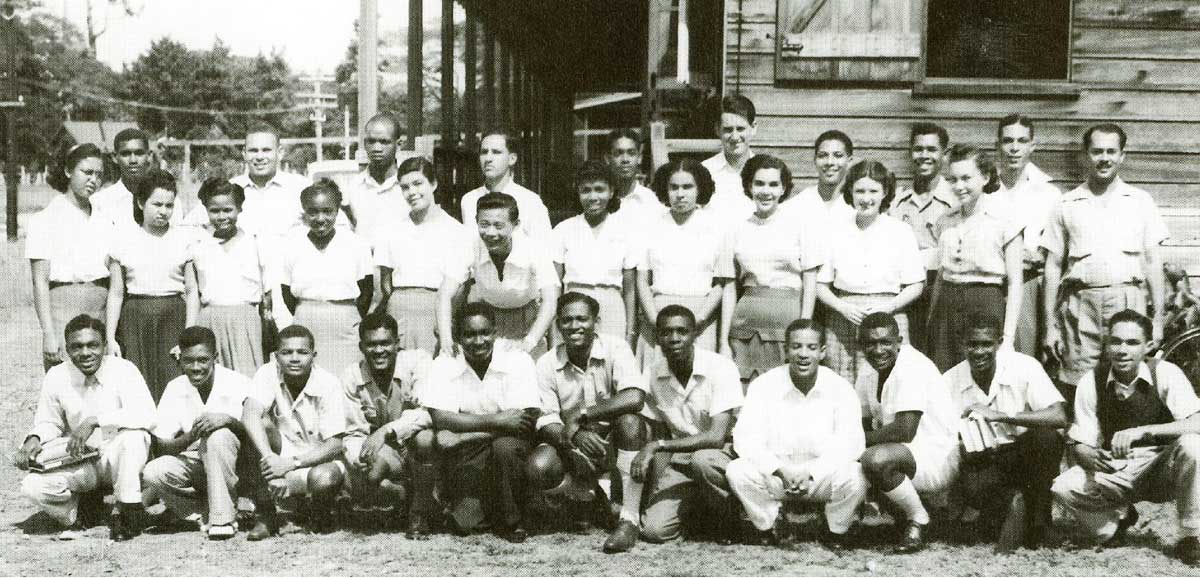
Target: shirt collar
81, 379
700, 366
598, 352
365, 179
243, 180
1084, 191
1003, 376
310, 389
1143, 376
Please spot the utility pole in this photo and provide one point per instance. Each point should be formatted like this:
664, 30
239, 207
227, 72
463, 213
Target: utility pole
368, 67
13, 44
319, 101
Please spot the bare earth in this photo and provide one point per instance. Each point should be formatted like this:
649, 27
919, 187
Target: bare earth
28, 545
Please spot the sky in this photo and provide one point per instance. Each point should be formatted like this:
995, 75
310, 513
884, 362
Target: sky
311, 34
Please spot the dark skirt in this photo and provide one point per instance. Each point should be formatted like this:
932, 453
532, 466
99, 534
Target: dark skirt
759, 328
948, 316
239, 335
147, 332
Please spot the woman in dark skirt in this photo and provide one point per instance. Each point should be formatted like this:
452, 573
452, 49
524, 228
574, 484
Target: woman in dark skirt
152, 280
980, 258
233, 300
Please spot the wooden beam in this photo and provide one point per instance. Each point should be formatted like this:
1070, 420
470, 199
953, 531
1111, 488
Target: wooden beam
416, 105
489, 75
368, 63
470, 104
504, 112
449, 133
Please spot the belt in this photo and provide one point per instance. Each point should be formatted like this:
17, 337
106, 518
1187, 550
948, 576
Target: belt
1074, 285
101, 282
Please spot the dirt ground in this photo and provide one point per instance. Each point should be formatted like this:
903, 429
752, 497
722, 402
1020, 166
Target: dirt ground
28, 545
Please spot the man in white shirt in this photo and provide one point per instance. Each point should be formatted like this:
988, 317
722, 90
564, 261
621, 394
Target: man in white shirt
911, 442
497, 162
373, 201
1135, 436
799, 437
1011, 392
623, 152
131, 150
95, 391
198, 436
833, 154
736, 129
485, 405
693, 398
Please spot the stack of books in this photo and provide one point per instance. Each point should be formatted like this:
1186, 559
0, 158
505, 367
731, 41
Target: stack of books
979, 435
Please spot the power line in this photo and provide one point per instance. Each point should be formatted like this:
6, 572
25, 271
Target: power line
162, 107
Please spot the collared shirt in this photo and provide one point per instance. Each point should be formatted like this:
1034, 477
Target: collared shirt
808, 204
779, 425
685, 259
181, 405
1103, 238
314, 416
118, 399
510, 382
971, 249
715, 387
915, 384
527, 270
76, 244
1019, 385
274, 209
230, 272
368, 407
377, 206
153, 265
882, 258
1174, 390
596, 255
640, 206
567, 389
115, 204
417, 254
331, 274
776, 251
1031, 200
922, 216
729, 203
533, 216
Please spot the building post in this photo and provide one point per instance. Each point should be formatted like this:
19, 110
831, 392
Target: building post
416, 103
12, 46
368, 65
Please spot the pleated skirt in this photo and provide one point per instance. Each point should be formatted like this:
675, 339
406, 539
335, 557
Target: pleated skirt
648, 352
759, 328
334, 325
147, 332
841, 336
948, 317
70, 301
415, 310
239, 335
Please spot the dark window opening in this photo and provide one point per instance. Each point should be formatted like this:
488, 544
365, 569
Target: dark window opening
1015, 39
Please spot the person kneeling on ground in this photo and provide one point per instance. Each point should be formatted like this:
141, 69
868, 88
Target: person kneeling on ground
1135, 436
295, 419
591, 393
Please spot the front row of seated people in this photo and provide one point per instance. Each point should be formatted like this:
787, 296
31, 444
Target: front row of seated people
472, 439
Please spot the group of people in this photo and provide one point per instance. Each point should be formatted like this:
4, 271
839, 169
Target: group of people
713, 340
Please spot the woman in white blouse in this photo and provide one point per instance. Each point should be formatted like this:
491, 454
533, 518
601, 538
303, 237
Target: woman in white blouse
687, 261
596, 253
232, 298
411, 255
873, 264
67, 245
326, 277
776, 266
152, 280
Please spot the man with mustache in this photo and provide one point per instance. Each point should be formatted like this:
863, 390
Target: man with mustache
373, 200
736, 129
1135, 436
1101, 248
498, 164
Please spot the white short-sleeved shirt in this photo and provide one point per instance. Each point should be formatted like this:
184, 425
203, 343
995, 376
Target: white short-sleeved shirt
527, 270
181, 405
915, 384
567, 389
808, 204
596, 255
532, 214
883, 258
1174, 390
119, 398
685, 259
273, 209
153, 265
1030, 201
228, 273
971, 249
329, 275
641, 206
76, 244
417, 254
316, 415
774, 252
115, 203
1103, 238
729, 203
510, 382
714, 388
378, 207
1020, 384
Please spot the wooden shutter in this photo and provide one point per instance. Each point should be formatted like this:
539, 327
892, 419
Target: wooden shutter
855, 40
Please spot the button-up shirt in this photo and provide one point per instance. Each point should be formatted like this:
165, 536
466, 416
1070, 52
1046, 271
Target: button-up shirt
527, 270
331, 274
882, 258
417, 254
228, 272
729, 203
1031, 200
779, 425
715, 387
181, 405
776, 251
809, 205
915, 384
76, 244
533, 216
1019, 385
314, 416
922, 216
1103, 238
971, 249
117, 398
566, 389
1174, 390
596, 255
510, 382
369, 407
377, 206
153, 264
640, 206
685, 259
273, 209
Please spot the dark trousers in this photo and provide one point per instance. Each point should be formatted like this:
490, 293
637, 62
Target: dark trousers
918, 314
485, 479
1029, 466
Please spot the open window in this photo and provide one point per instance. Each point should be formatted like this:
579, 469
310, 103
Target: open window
999, 39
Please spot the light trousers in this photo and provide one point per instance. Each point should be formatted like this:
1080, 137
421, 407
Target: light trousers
841, 487
174, 479
119, 467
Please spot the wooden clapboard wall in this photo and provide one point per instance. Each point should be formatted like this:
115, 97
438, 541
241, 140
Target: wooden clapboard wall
1134, 62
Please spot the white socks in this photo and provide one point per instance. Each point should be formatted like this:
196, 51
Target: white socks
631, 491
905, 497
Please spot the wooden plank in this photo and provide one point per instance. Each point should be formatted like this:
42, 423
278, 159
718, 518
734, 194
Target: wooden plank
751, 10
1135, 72
1137, 43
757, 37
1158, 14
755, 69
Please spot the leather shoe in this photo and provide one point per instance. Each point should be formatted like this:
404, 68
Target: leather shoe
1188, 551
516, 534
418, 527
912, 539
622, 539
123, 526
836, 543
264, 527
1127, 521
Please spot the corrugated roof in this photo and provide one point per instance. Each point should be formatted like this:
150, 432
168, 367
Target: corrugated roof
98, 133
